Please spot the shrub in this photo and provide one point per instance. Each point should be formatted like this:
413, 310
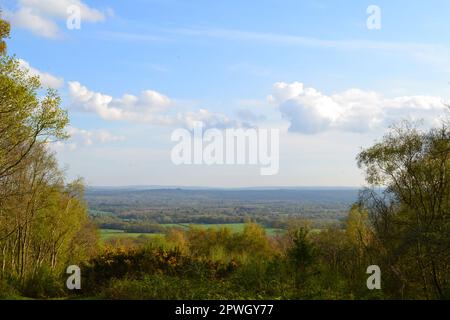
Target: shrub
7, 290
44, 284
164, 287
137, 263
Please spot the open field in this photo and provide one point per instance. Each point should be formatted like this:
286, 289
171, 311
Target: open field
106, 234
235, 227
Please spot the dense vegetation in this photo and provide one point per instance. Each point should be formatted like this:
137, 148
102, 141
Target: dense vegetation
400, 223
43, 219
410, 220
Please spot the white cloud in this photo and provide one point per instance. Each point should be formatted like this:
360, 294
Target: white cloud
27, 19
310, 111
149, 107
250, 116
209, 119
41, 16
91, 137
145, 108
47, 80
84, 138
58, 9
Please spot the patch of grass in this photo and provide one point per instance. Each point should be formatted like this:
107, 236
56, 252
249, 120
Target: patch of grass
235, 227
106, 234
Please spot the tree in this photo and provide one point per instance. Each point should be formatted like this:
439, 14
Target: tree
41, 215
409, 205
4, 33
300, 253
358, 232
42, 218
24, 117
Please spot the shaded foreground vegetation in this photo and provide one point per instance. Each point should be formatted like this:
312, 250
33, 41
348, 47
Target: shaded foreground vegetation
221, 264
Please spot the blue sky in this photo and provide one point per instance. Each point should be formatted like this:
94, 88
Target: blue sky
310, 68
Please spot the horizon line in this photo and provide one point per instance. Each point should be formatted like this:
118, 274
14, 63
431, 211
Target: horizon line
224, 187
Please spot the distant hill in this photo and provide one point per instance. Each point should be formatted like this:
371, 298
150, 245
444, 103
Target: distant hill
249, 195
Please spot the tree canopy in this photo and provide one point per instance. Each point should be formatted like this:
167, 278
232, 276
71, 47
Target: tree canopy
40, 214
409, 205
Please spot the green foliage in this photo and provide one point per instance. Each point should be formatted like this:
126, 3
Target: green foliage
4, 33
25, 118
160, 287
119, 263
44, 284
8, 290
411, 216
301, 251
220, 264
41, 216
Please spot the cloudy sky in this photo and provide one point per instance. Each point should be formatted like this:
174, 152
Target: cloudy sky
137, 70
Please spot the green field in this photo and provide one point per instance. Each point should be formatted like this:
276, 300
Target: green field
106, 234
235, 227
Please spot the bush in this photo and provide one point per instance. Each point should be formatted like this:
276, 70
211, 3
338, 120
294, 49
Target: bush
7, 290
163, 287
138, 263
44, 284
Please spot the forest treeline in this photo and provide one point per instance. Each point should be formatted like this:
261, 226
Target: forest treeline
400, 223
44, 224
410, 219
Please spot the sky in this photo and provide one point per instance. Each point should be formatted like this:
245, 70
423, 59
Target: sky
331, 76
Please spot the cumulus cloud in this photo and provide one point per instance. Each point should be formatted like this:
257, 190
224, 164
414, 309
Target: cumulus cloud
27, 19
149, 107
208, 118
86, 138
47, 80
90, 137
41, 16
250, 116
310, 111
145, 108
